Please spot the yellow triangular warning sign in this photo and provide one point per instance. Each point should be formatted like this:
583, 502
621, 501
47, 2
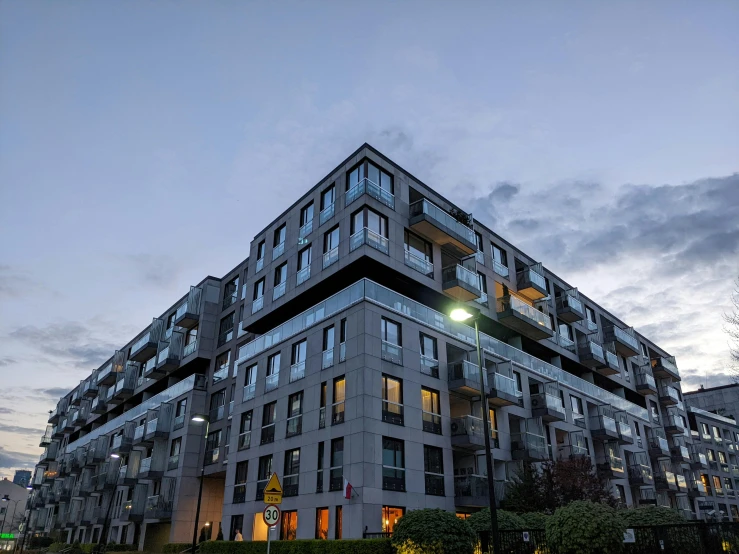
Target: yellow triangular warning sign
273, 487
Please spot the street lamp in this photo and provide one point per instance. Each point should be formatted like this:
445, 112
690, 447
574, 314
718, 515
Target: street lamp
7, 498
462, 314
200, 418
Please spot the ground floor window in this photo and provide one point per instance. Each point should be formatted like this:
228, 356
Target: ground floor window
289, 525
237, 524
322, 523
390, 516
339, 522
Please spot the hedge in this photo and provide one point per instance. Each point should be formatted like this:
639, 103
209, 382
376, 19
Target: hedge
507, 521
584, 527
40, 542
651, 515
175, 547
87, 548
311, 546
432, 531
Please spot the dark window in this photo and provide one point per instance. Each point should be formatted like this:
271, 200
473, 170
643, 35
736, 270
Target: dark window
245, 430
367, 217
331, 239
328, 338
483, 282
390, 332
280, 274
261, 248
304, 257
393, 464
291, 472
337, 465
319, 476
428, 347
268, 423
328, 196
280, 233
478, 241
225, 330
263, 475
433, 466
240, 482
230, 293
295, 414
306, 214
259, 289
368, 170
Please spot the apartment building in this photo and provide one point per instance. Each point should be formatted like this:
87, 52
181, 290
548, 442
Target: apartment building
328, 355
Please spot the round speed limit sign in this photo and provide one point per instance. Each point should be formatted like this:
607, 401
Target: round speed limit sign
271, 515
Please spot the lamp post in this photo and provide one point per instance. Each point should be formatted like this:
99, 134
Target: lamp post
199, 418
7, 498
463, 313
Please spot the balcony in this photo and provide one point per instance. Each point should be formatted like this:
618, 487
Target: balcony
520, 316
157, 428
529, 447
531, 284
392, 353
591, 354
647, 497
279, 290
302, 275
603, 428
370, 238
271, 382
124, 387
566, 343
696, 488
698, 458
682, 484
571, 451
138, 434
170, 356
504, 391
422, 265
467, 433
625, 343
326, 214
121, 444
157, 507
441, 227
90, 389
217, 413
297, 371
668, 395
612, 467
464, 378
645, 383
548, 407
625, 434
106, 375
370, 188
278, 250
150, 471
144, 348
471, 490
330, 257
54, 416
429, 366
640, 474
76, 398
570, 308
612, 366
460, 283
46, 438
99, 405
673, 425
665, 368
665, 480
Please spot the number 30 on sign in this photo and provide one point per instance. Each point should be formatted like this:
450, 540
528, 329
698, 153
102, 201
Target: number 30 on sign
271, 515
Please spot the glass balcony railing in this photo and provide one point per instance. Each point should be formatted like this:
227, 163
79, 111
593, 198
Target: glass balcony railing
430, 366
220, 374
279, 290
331, 257
271, 382
392, 352
370, 238
612, 359
566, 343
367, 290
537, 278
303, 275
624, 431
249, 392
327, 358
447, 220
278, 250
190, 348
257, 304
244, 440
501, 269
626, 338
306, 229
461, 274
480, 257
463, 370
297, 371
139, 344
260, 265
419, 264
513, 303
482, 299
574, 303
508, 385
326, 214
604, 422
365, 186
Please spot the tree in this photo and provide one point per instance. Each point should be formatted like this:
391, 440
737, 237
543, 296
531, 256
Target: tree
732, 329
584, 527
433, 532
556, 484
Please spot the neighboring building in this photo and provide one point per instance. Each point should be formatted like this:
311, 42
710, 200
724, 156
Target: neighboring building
328, 355
22, 477
723, 400
11, 511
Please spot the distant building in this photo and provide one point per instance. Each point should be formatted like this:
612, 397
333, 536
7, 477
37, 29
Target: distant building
12, 511
723, 400
22, 477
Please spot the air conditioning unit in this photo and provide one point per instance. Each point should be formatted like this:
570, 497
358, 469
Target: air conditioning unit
535, 401
456, 427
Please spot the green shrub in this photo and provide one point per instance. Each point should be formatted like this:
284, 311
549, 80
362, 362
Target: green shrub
480, 521
534, 520
432, 532
40, 542
57, 546
651, 515
584, 527
312, 546
175, 547
113, 547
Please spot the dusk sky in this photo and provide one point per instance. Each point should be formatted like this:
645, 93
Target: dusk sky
600, 137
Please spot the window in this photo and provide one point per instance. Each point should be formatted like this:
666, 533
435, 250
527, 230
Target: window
705, 431
263, 475
331, 247
499, 255
721, 457
319, 465
368, 170
280, 281
336, 470
273, 372
337, 408
711, 455
291, 472
429, 356
222, 363
288, 525
170, 320
297, 361
370, 219
174, 453
565, 331
294, 414
258, 301
245, 430
261, 250
268, 423
191, 338
418, 254
322, 409
306, 219
478, 241
328, 197
431, 411
392, 400
391, 341
327, 358
180, 411
322, 523
212, 450
217, 405
433, 467
644, 351
280, 234
717, 485
250, 382
393, 465
230, 293
483, 285
240, 482
339, 523
304, 259
590, 314
226, 329
716, 433
390, 516
342, 340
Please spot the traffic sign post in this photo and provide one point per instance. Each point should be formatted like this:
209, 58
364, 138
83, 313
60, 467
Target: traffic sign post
273, 491
271, 516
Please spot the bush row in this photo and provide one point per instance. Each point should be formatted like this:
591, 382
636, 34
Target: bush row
86, 548
311, 546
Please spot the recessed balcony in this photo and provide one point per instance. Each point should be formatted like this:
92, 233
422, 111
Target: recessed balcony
604, 428
647, 497
370, 238
698, 458
591, 354
460, 283
157, 507
625, 343
570, 308
464, 378
547, 406
696, 488
441, 227
504, 391
417, 263
467, 433
372, 189
151, 469
472, 490
520, 316
529, 447
531, 284
665, 368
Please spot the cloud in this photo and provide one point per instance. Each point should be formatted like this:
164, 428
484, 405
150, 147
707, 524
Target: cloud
55, 392
504, 192
9, 428
72, 342
6, 361
160, 270
15, 283
6, 411
10, 459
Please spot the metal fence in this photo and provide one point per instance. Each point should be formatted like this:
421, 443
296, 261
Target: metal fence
686, 538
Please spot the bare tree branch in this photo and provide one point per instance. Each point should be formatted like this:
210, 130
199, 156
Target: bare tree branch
731, 328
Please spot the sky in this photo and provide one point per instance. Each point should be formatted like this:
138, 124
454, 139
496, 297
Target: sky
143, 145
